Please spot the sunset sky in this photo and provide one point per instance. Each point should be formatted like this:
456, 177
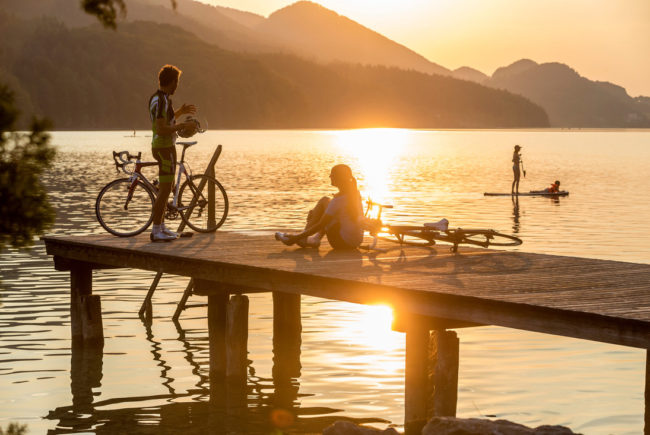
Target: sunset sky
606, 40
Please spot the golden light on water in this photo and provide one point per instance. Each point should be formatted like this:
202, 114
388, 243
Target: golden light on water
372, 328
374, 152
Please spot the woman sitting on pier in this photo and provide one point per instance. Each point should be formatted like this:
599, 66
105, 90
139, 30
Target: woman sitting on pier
339, 218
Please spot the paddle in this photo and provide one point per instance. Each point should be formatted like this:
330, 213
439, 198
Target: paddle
522, 167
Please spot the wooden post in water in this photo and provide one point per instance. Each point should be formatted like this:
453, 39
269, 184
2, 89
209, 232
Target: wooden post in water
91, 320
217, 305
85, 309
646, 429
81, 284
443, 373
287, 329
237, 338
416, 382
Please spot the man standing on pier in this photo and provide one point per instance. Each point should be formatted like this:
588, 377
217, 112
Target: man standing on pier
163, 143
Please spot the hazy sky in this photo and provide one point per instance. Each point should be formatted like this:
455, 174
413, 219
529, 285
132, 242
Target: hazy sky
605, 40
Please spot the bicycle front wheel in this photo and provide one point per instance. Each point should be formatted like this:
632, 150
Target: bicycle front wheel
203, 203
124, 207
487, 238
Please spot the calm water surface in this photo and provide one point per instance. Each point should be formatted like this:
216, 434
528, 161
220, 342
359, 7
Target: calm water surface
153, 379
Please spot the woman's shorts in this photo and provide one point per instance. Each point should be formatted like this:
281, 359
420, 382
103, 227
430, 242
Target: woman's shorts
166, 158
334, 238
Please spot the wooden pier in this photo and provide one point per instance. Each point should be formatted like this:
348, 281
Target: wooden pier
431, 290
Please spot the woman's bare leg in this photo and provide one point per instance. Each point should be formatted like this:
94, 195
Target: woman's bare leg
317, 212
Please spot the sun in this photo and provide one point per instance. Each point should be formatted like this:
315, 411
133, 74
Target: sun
374, 152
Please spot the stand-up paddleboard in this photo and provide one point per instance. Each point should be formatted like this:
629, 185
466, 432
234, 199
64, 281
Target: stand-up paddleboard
531, 193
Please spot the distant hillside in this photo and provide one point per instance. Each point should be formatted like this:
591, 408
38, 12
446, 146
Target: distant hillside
317, 33
219, 26
91, 78
570, 99
469, 74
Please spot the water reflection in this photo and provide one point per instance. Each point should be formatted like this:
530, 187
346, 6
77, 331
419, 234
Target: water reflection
255, 405
515, 214
271, 178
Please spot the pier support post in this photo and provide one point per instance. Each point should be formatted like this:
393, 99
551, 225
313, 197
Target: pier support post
217, 304
287, 330
237, 338
443, 373
431, 379
416, 381
646, 429
85, 309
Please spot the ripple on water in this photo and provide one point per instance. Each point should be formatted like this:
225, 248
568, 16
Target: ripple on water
352, 365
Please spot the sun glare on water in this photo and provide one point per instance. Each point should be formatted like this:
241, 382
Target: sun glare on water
374, 152
372, 328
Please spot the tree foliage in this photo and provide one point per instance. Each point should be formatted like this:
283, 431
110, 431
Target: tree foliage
14, 429
24, 207
106, 11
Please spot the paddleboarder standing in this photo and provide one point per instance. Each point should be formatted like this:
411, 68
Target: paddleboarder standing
516, 164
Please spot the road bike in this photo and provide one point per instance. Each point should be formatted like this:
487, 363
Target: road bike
124, 207
430, 233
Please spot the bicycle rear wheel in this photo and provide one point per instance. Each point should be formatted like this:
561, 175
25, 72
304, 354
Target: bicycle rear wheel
125, 208
194, 203
409, 235
485, 238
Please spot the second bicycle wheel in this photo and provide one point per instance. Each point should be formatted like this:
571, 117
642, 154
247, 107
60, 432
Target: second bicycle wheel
487, 238
125, 208
203, 203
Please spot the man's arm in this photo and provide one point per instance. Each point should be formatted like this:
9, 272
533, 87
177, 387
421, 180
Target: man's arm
165, 129
188, 109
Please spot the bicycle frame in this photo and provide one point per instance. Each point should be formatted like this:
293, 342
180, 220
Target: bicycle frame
429, 232
138, 175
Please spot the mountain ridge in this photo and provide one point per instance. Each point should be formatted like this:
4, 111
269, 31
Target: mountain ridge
91, 78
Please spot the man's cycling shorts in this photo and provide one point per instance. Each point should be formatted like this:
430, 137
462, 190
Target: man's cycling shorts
166, 158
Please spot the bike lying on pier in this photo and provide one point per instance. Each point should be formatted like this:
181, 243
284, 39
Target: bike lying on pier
124, 207
430, 233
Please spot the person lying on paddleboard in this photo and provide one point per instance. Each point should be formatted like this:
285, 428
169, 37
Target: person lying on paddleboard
338, 218
555, 188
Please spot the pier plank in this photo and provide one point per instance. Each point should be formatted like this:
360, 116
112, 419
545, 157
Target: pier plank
577, 297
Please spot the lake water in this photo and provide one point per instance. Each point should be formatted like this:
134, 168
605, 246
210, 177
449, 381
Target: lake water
155, 379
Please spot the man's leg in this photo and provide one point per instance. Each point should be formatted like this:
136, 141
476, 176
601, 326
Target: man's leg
166, 167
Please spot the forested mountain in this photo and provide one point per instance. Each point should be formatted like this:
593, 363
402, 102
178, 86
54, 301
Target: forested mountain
317, 33
218, 26
470, 74
92, 78
570, 99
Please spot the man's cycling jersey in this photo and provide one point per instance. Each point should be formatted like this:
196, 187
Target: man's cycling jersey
160, 106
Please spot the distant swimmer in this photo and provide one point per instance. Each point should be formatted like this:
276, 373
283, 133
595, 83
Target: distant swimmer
516, 164
554, 188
